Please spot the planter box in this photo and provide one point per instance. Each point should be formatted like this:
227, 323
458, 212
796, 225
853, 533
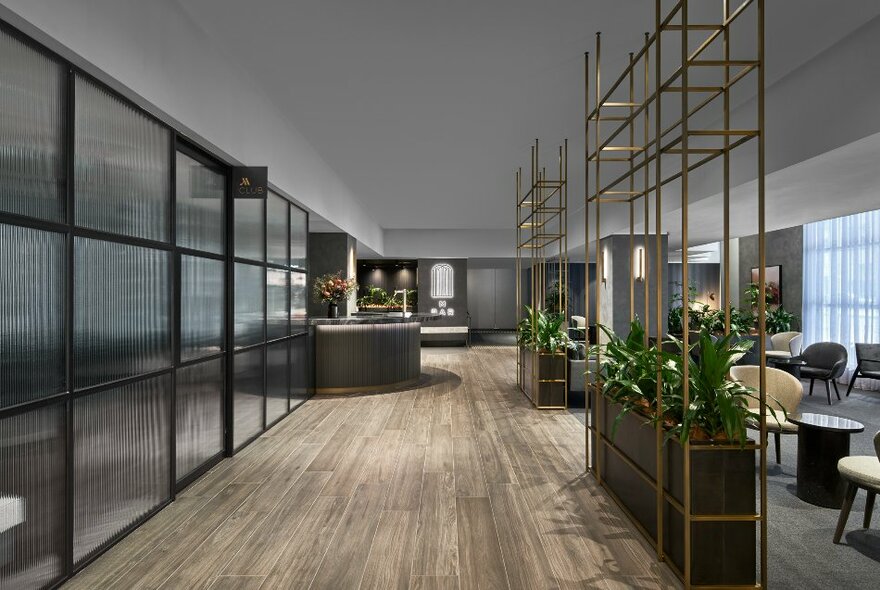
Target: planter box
722, 483
543, 378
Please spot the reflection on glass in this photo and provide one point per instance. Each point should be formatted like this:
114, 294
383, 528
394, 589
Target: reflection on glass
249, 309
199, 415
276, 298
298, 295
277, 386
299, 236
200, 192
121, 460
276, 229
299, 370
31, 314
248, 396
250, 233
121, 303
201, 306
32, 498
31, 132
123, 166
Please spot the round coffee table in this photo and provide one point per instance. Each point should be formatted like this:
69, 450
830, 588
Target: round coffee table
822, 441
790, 365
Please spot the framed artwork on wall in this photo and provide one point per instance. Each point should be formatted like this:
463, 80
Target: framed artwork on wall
773, 281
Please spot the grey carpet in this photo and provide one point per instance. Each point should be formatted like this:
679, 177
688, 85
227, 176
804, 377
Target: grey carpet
801, 553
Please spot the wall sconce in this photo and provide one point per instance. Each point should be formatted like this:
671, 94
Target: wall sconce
640, 264
605, 266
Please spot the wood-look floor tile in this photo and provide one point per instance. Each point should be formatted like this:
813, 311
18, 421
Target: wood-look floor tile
406, 485
436, 551
343, 565
390, 561
469, 479
299, 560
439, 455
434, 583
237, 582
481, 566
347, 473
380, 466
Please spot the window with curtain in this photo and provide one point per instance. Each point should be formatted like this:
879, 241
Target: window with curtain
842, 284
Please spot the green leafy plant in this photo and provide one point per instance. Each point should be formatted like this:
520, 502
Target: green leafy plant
779, 320
717, 407
543, 331
552, 299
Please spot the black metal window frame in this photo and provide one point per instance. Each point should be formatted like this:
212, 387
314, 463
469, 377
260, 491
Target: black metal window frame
178, 141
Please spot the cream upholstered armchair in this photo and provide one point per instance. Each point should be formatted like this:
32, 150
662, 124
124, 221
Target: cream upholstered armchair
785, 344
859, 472
784, 394
577, 329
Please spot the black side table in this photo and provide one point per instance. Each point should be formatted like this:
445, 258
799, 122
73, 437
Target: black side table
822, 441
791, 365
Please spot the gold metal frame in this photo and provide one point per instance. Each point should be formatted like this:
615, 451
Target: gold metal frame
542, 242
645, 155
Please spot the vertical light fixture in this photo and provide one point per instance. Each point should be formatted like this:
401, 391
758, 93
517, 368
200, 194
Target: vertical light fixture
604, 265
640, 264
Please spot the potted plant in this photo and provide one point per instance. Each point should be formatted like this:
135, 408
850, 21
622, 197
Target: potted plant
543, 346
779, 320
331, 289
721, 482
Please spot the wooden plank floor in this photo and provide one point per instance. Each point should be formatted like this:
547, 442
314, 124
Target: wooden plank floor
458, 483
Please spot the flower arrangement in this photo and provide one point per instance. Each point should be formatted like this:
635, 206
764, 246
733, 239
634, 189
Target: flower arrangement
333, 288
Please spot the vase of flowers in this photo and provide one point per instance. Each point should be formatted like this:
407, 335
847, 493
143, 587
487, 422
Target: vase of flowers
331, 289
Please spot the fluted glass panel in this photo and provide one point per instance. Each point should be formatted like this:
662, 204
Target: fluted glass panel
121, 460
276, 302
31, 132
299, 370
248, 395
32, 498
277, 240
122, 166
121, 311
31, 314
299, 237
249, 308
199, 415
250, 234
277, 382
298, 294
200, 197
201, 306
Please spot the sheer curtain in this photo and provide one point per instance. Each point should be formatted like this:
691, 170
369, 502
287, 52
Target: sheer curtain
842, 284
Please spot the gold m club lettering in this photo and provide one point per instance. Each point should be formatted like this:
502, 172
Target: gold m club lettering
245, 181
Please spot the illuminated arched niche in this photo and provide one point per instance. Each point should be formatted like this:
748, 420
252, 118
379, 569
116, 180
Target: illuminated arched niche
441, 281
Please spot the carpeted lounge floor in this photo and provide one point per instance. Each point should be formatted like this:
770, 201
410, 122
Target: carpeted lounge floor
801, 552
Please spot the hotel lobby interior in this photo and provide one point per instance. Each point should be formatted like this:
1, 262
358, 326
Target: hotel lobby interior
439, 295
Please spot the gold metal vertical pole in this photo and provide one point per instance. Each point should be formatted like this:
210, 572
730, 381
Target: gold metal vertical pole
688, 507
632, 188
658, 253
647, 125
588, 414
762, 300
599, 255
726, 230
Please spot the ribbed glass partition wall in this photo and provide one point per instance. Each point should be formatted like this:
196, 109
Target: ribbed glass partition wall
149, 323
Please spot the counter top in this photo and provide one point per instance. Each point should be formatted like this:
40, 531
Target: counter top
374, 318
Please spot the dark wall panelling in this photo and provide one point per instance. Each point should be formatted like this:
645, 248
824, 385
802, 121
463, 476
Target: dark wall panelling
706, 278
32, 314
199, 415
32, 497
121, 460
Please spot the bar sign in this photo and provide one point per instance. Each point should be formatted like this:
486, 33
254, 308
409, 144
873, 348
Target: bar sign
250, 182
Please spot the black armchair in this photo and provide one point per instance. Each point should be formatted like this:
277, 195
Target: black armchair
826, 361
868, 359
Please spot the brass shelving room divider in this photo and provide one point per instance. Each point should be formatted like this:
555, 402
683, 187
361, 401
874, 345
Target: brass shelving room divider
542, 250
652, 128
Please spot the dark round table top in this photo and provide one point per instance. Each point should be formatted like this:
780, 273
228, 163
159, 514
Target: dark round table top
827, 422
786, 361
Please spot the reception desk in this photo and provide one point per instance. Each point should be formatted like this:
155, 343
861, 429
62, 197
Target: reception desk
367, 353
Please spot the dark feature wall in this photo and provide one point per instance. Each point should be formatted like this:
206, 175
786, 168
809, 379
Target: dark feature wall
328, 253
458, 302
784, 247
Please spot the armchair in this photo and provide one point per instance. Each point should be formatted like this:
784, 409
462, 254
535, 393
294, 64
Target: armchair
868, 359
859, 472
826, 361
785, 345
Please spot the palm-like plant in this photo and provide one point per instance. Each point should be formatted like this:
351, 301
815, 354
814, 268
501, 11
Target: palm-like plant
543, 331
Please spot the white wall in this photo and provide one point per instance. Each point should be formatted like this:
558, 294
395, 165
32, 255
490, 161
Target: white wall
150, 51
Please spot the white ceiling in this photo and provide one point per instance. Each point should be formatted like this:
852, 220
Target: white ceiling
424, 108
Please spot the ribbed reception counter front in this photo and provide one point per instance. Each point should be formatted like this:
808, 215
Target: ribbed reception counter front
367, 353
